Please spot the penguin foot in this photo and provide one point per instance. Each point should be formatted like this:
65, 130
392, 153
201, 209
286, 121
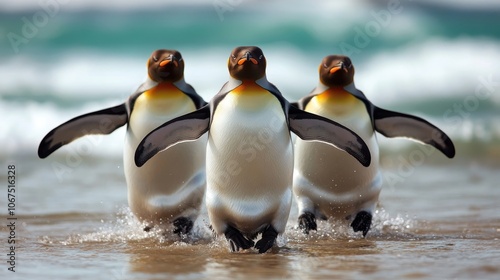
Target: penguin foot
182, 225
267, 241
236, 239
307, 222
362, 222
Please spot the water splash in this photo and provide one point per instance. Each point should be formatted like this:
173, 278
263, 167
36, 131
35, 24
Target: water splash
126, 228
384, 226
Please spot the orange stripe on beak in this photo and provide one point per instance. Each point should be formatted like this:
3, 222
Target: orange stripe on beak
165, 62
241, 61
334, 69
254, 61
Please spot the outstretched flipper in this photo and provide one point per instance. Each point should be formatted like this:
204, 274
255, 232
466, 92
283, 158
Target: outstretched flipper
188, 127
394, 124
309, 126
100, 122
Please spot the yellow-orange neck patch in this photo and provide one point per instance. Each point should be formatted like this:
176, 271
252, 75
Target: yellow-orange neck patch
335, 95
249, 87
163, 90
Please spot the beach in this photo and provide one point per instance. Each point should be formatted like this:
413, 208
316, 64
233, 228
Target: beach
67, 216
441, 223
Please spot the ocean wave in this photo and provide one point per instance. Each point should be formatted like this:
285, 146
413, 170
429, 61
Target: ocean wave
435, 68
72, 74
25, 125
50, 92
117, 5
465, 4
93, 4
106, 75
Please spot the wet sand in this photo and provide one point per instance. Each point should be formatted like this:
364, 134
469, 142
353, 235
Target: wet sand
441, 222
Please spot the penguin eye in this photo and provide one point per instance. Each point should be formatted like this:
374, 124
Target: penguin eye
233, 56
155, 58
324, 65
260, 57
180, 59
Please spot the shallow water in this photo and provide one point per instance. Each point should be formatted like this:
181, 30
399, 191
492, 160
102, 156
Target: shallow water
440, 222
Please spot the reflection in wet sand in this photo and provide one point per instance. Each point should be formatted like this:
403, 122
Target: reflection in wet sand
419, 232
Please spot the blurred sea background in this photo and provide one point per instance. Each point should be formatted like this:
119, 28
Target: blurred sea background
435, 59
438, 60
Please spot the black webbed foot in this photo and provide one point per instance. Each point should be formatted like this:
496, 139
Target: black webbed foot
307, 222
267, 241
236, 239
182, 225
362, 222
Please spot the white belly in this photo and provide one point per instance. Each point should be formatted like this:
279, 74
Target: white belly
172, 183
249, 164
329, 181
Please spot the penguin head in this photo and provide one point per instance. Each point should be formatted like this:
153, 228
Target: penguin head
165, 66
336, 70
247, 63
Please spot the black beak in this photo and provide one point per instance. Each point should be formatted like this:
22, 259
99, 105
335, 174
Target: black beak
168, 60
343, 67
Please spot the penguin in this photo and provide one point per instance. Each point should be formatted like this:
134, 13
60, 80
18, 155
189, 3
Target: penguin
327, 183
250, 151
170, 188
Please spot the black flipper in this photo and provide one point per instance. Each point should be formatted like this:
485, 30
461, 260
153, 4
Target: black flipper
182, 225
309, 126
362, 222
307, 222
188, 90
236, 239
99, 122
394, 124
188, 127
267, 241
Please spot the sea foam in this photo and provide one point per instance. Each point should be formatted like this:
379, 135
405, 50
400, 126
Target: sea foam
50, 92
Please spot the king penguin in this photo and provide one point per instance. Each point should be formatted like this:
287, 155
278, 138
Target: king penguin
170, 188
250, 151
327, 183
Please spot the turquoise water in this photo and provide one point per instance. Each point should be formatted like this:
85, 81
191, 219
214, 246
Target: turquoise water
415, 57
